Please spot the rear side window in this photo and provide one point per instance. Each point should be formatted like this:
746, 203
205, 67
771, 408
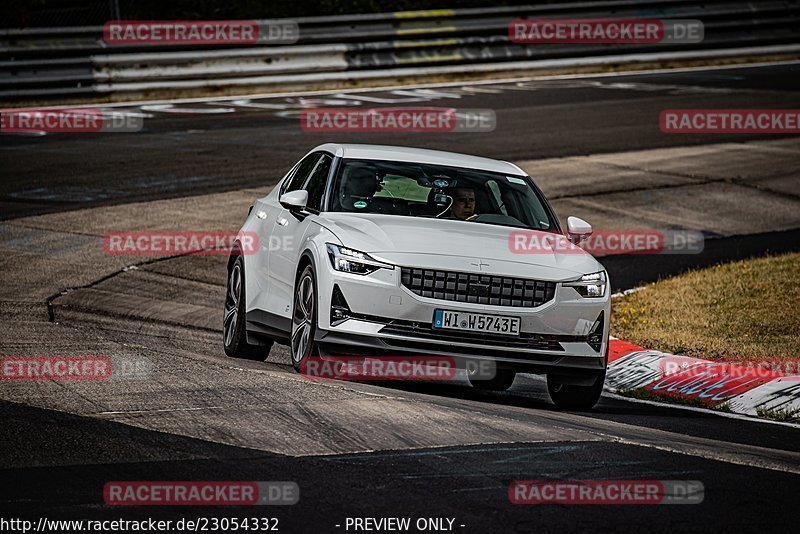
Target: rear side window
316, 182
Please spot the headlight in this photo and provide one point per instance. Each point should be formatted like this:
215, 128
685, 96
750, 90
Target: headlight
590, 285
352, 261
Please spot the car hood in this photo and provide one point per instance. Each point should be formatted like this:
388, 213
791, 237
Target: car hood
454, 245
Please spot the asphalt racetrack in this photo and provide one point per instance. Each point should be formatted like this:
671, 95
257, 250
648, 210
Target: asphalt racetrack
363, 450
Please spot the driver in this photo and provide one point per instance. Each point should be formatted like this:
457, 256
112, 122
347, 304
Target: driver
463, 203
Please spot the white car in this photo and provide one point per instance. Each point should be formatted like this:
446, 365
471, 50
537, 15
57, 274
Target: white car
368, 250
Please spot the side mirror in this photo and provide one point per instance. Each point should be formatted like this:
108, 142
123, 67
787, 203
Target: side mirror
577, 228
294, 200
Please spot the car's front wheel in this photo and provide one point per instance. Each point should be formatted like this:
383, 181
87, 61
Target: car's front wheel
304, 319
574, 397
234, 334
501, 381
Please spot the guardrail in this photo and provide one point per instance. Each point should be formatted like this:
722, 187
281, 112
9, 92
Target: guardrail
58, 62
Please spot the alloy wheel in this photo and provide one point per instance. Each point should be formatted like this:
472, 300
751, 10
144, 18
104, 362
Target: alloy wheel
303, 317
231, 317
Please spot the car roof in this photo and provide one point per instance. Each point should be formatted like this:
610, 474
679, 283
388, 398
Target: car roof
419, 155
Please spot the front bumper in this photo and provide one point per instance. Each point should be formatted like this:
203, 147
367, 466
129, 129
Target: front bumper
333, 343
385, 318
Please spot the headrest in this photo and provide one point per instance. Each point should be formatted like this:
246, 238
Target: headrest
360, 181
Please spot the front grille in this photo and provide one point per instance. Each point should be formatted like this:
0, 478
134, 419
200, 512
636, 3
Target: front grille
477, 288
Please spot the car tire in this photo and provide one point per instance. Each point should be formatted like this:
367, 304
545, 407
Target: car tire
501, 381
572, 397
304, 319
234, 321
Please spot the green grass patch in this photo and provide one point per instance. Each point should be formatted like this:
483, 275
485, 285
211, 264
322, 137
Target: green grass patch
741, 311
780, 414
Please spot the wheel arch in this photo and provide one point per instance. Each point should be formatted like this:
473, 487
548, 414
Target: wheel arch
306, 259
236, 250
313, 256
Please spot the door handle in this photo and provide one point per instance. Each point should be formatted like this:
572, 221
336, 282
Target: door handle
261, 214
282, 221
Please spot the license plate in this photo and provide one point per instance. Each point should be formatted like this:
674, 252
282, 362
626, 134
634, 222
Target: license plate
476, 322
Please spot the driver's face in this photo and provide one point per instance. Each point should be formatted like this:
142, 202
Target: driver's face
463, 204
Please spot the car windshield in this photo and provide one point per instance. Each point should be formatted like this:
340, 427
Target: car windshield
437, 191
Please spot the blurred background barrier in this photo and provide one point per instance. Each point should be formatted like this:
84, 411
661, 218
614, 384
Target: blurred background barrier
58, 62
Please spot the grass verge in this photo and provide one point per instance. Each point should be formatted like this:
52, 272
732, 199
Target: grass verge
741, 311
784, 415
